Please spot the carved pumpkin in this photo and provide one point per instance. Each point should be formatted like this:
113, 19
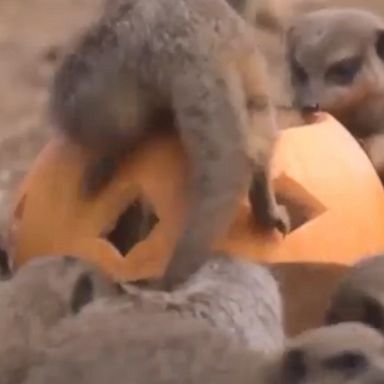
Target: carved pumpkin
320, 172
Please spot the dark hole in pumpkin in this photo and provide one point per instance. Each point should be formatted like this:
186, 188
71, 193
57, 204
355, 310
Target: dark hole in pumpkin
301, 205
134, 225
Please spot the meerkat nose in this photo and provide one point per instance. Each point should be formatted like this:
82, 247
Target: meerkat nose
310, 108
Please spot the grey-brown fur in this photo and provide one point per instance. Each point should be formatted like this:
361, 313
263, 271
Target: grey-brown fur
238, 297
36, 298
164, 349
360, 295
274, 15
336, 58
149, 62
139, 349
348, 353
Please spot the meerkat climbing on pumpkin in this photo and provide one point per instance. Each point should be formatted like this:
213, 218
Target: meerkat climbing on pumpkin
192, 65
336, 58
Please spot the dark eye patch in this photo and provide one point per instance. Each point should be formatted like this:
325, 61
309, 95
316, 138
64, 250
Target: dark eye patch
83, 292
298, 72
380, 44
350, 363
344, 71
294, 367
373, 313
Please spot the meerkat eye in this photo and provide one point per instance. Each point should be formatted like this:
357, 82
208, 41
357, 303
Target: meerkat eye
83, 292
350, 363
373, 314
298, 72
294, 366
343, 72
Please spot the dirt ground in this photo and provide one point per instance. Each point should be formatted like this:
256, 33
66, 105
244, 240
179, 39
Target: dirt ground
32, 32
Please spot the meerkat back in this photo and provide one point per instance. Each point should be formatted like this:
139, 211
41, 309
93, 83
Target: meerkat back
360, 295
240, 298
144, 348
162, 349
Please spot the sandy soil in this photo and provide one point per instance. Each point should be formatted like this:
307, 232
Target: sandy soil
32, 33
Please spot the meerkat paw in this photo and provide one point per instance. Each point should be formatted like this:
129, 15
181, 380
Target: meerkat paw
184, 263
152, 284
282, 221
277, 218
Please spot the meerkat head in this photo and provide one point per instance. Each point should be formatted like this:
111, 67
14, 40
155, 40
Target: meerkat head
336, 59
348, 353
360, 295
72, 281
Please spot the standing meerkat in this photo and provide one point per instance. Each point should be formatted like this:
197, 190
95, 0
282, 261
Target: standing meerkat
336, 60
167, 349
360, 295
36, 298
191, 64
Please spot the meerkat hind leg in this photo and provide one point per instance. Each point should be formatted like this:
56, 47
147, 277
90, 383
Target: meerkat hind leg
212, 134
262, 132
261, 195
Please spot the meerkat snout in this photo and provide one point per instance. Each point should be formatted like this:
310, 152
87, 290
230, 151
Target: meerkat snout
344, 353
336, 64
309, 107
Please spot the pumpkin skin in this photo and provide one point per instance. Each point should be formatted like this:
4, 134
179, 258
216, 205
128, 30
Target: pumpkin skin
318, 166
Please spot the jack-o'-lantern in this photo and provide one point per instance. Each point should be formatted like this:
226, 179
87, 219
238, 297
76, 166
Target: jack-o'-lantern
320, 172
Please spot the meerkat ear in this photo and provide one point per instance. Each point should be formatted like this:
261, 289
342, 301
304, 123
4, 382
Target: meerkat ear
380, 44
83, 292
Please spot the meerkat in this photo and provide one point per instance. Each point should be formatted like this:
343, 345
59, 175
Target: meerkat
270, 18
193, 65
360, 295
336, 64
239, 297
36, 298
164, 349
347, 353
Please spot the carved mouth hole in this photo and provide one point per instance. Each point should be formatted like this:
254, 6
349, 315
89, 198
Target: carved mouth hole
301, 205
133, 226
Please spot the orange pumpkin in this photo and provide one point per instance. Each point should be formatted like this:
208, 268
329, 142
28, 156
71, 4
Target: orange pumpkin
328, 183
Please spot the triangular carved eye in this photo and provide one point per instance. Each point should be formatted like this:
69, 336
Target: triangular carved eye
302, 206
133, 225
